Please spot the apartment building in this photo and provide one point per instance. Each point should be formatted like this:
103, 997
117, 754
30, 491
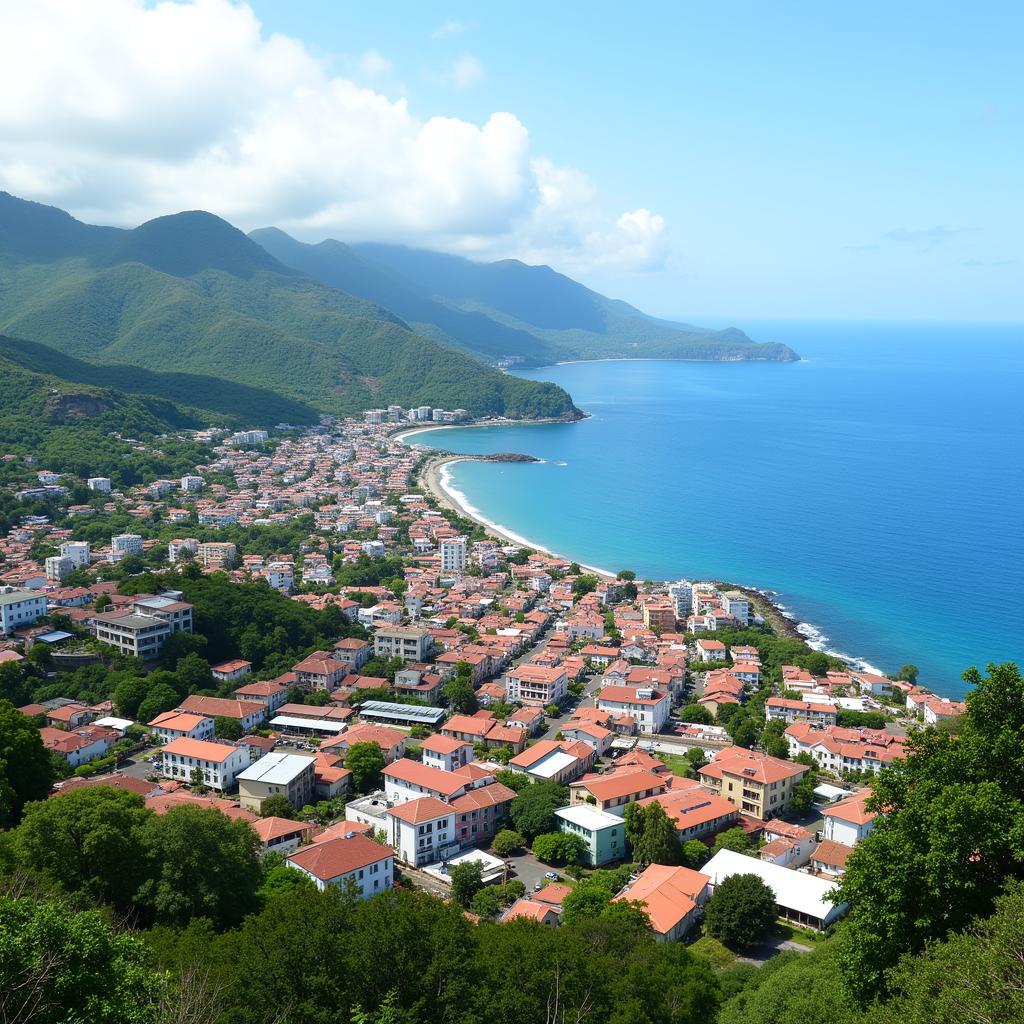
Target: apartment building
139, 636
423, 831
20, 608
354, 862
648, 707
320, 671
218, 763
754, 783
408, 643
452, 552
536, 685
177, 614
277, 774
781, 709
126, 544
217, 554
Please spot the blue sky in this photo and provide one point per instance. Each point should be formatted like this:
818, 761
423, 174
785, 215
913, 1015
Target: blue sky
809, 160
735, 160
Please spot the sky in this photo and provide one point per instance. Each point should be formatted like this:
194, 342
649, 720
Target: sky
730, 160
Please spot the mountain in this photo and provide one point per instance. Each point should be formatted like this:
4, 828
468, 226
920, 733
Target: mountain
506, 311
190, 298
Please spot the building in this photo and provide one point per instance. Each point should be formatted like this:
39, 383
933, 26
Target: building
217, 554
604, 833
356, 863
452, 551
528, 909
737, 606
77, 551
218, 763
781, 709
58, 569
849, 821
175, 725
673, 898
840, 750
554, 761
696, 812
353, 653
408, 643
177, 614
536, 685
320, 671
176, 548
126, 544
81, 745
265, 691
20, 608
422, 831
277, 774
830, 858
446, 752
390, 741
192, 483
755, 784
401, 714
280, 835
800, 897
406, 780
249, 714
231, 671
139, 636
614, 790
98, 483
710, 650
650, 708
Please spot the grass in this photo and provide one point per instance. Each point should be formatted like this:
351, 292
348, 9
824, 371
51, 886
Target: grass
794, 933
679, 765
716, 954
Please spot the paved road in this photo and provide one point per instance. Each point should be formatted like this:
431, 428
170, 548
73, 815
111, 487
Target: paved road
529, 870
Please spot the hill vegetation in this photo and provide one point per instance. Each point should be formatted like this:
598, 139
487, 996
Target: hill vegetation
529, 315
189, 296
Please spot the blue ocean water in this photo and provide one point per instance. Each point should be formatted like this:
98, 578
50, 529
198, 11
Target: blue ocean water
877, 485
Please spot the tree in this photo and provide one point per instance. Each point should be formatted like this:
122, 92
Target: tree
277, 805
583, 585
626, 575
652, 834
533, 810
697, 714
459, 693
102, 603
59, 965
87, 841
908, 674
129, 693
195, 779
740, 912
731, 839
507, 841
14, 685
365, 761
559, 848
491, 899
160, 699
773, 741
227, 728
25, 770
193, 672
466, 880
803, 791
695, 854
199, 864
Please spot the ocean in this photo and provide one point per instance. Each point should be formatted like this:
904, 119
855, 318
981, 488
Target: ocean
876, 486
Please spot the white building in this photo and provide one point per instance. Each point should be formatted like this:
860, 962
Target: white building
682, 597
356, 863
849, 820
177, 614
99, 483
189, 482
423, 831
281, 576
58, 568
176, 547
139, 636
77, 551
277, 774
648, 707
219, 763
736, 605
536, 685
178, 725
453, 554
126, 544
20, 608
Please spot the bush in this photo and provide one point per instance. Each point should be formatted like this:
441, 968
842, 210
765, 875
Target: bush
740, 912
559, 848
507, 841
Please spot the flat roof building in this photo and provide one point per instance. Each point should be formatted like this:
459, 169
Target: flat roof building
277, 774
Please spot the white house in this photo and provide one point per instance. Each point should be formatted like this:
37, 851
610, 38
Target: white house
849, 820
176, 725
219, 763
19, 608
446, 752
648, 707
356, 863
423, 831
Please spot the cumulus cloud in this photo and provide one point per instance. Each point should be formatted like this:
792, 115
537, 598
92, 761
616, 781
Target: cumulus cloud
119, 111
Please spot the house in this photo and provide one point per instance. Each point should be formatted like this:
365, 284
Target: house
849, 820
406, 780
69, 716
872, 683
786, 844
830, 858
218, 763
79, 746
842, 750
277, 774
446, 752
268, 692
353, 652
554, 760
174, 725
390, 741
231, 671
942, 710
603, 833
138, 636
709, 650
649, 708
408, 643
320, 671
696, 812
755, 784
468, 727
781, 709
249, 714
673, 898
177, 614
481, 808
799, 897
536, 685
422, 831
595, 736
613, 790
356, 863
281, 835
529, 718
527, 909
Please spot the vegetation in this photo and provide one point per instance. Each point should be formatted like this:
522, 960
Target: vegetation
740, 911
26, 772
533, 810
652, 834
365, 761
559, 848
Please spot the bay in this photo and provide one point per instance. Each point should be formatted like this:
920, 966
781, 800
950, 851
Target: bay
876, 485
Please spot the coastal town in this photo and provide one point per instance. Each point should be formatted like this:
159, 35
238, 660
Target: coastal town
463, 715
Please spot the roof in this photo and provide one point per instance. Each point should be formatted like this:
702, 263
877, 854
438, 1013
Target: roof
440, 744
592, 818
320, 663
219, 707
427, 808
692, 807
554, 893
620, 784
794, 890
276, 769
274, 828
468, 724
203, 750
668, 894
832, 854
853, 809
748, 764
334, 857
416, 774
178, 721
412, 712
296, 722
628, 695
479, 797
528, 910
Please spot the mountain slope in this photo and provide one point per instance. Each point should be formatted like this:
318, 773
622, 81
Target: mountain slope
190, 293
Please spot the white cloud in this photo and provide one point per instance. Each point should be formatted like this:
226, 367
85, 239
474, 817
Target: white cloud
465, 71
451, 27
119, 111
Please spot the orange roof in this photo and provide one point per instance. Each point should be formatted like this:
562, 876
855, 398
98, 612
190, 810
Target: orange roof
427, 808
832, 854
752, 766
333, 857
179, 721
274, 828
480, 797
434, 779
554, 893
219, 707
438, 744
668, 894
853, 809
203, 750
619, 784
528, 910
692, 806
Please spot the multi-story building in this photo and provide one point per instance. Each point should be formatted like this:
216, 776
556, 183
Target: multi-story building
58, 568
840, 750
352, 652
248, 713
320, 671
648, 707
190, 482
423, 831
218, 763
849, 821
754, 783
781, 709
177, 614
126, 544
77, 551
737, 605
99, 483
81, 745
536, 685
452, 551
176, 547
176, 725
139, 636
603, 833
408, 643
614, 790
217, 554
356, 863
277, 774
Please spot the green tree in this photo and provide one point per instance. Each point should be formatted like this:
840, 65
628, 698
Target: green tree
193, 672
583, 585
731, 839
466, 880
773, 741
60, 966
87, 841
652, 834
365, 761
740, 911
159, 699
460, 695
507, 841
559, 848
695, 854
14, 685
908, 674
697, 714
227, 728
199, 864
277, 805
25, 770
533, 810
129, 693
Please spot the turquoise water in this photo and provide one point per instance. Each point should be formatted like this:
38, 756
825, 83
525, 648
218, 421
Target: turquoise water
876, 486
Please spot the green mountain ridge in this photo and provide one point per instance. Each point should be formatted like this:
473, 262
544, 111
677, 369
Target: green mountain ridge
190, 294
